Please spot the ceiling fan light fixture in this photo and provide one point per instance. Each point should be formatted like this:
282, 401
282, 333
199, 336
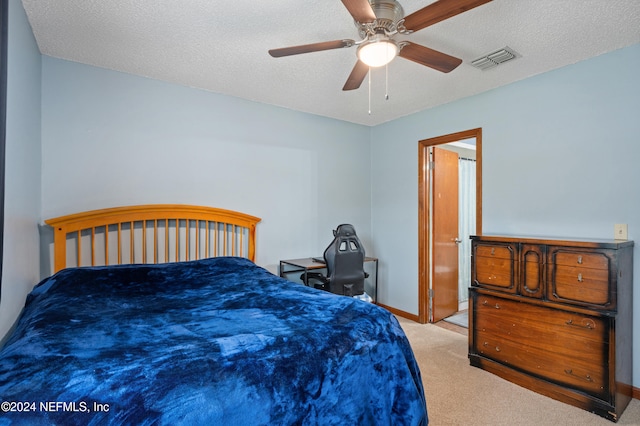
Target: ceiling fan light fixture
377, 53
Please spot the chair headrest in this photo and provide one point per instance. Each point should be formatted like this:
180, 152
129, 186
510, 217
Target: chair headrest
344, 230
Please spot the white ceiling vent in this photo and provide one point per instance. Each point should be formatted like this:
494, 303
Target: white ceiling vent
493, 59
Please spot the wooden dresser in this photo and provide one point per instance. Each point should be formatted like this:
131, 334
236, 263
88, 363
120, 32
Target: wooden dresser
555, 316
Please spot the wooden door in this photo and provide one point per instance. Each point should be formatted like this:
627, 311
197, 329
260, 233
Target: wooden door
444, 284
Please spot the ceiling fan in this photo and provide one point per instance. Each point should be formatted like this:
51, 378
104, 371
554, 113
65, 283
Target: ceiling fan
378, 23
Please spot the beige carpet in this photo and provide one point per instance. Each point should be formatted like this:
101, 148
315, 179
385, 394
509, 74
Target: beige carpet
458, 394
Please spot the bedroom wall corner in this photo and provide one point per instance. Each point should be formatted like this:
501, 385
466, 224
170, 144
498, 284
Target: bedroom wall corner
22, 170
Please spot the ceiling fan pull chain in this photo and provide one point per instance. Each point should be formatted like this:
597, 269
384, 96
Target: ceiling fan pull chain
386, 82
369, 74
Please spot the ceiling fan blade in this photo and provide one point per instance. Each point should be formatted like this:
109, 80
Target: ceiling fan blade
357, 76
439, 11
360, 10
429, 57
313, 47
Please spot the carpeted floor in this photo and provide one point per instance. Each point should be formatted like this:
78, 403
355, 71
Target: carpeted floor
458, 394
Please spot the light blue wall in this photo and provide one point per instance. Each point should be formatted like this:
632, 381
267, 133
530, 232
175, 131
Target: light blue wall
22, 171
112, 139
560, 158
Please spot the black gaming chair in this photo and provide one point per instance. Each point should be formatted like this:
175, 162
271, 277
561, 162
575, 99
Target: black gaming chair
344, 258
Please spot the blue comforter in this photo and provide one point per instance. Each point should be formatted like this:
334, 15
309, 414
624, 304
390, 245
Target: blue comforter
217, 341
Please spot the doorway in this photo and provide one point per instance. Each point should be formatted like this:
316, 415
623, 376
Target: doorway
438, 239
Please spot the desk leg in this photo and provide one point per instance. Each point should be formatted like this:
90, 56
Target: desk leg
375, 296
283, 273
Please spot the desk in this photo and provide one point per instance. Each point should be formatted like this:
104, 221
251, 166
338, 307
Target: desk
306, 264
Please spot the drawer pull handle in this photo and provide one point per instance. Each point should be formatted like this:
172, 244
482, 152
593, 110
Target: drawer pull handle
497, 348
587, 377
588, 324
580, 260
493, 251
579, 278
486, 303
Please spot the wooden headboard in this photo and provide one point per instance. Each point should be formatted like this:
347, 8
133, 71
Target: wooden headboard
156, 233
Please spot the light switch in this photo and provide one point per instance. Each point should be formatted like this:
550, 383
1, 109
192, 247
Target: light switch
620, 231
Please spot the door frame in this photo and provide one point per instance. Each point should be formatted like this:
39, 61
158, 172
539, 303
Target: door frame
424, 209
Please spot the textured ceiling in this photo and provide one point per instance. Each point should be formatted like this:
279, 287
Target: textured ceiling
221, 46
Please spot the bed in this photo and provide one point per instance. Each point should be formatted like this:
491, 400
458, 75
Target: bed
159, 315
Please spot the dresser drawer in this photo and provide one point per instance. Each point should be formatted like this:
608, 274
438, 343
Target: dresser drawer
563, 347
580, 258
494, 266
496, 251
580, 278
